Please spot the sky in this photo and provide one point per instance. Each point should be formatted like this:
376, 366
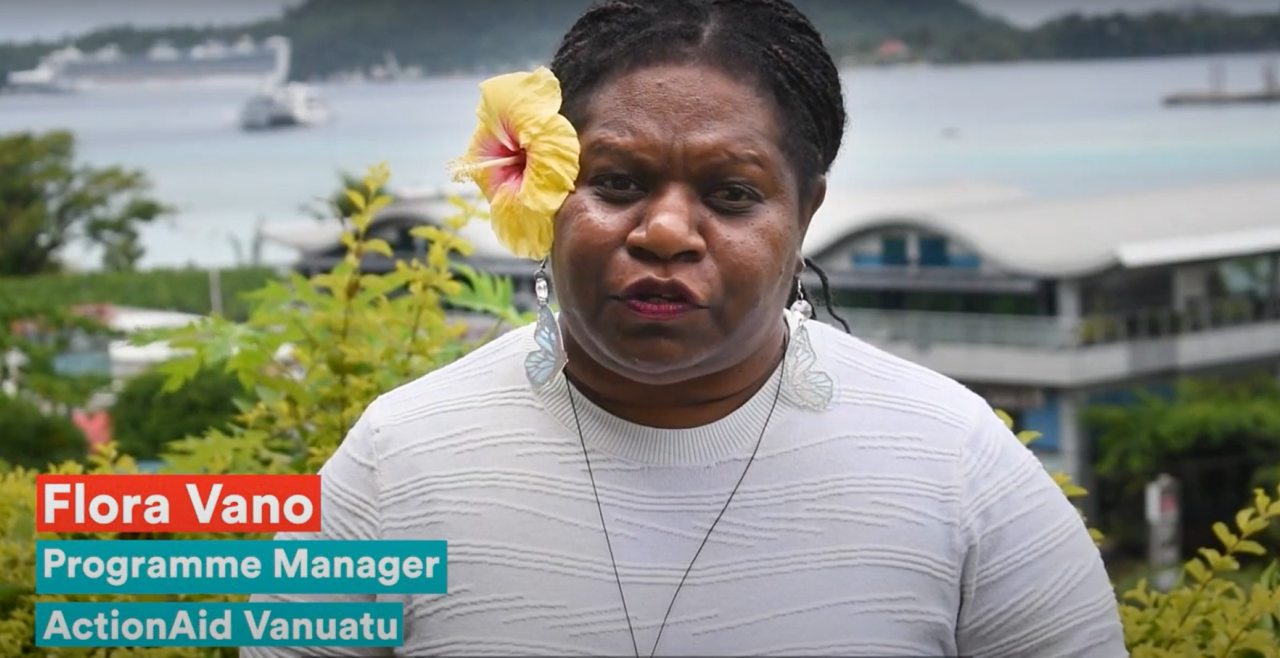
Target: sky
25, 20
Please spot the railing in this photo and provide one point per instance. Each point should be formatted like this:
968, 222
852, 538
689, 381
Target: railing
1042, 332
1157, 323
929, 327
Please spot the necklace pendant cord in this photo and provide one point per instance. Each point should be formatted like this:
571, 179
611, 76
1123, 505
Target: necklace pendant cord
600, 507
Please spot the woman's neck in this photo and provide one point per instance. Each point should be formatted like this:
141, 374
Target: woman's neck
691, 403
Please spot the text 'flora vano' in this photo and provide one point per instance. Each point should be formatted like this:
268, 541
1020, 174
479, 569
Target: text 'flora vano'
169, 503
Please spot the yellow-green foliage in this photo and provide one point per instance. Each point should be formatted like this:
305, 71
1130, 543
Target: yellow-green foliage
349, 339
317, 351
1208, 613
18, 566
314, 353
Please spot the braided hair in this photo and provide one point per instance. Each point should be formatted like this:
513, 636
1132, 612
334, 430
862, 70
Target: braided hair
768, 42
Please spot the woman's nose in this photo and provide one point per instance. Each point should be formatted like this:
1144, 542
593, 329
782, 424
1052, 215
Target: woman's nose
669, 230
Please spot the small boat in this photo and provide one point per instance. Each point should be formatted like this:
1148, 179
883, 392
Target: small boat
1212, 98
286, 106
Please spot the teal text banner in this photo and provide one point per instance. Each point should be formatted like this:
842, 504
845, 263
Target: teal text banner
240, 567
219, 625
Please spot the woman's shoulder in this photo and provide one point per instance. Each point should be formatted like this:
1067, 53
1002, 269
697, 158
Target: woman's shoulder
872, 382
889, 395
487, 373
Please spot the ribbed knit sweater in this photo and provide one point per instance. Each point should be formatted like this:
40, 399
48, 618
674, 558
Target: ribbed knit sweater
903, 519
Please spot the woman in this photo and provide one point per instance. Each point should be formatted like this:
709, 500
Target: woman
678, 466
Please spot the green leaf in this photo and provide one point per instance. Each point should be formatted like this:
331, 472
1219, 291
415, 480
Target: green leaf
356, 199
1224, 534
1251, 547
180, 371
269, 395
378, 204
1242, 519
1073, 490
1196, 569
486, 293
379, 246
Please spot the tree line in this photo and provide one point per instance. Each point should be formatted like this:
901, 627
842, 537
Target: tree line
335, 36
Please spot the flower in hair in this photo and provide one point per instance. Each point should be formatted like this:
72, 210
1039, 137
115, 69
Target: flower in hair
524, 158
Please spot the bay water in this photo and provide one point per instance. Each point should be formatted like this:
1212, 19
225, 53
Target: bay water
1052, 129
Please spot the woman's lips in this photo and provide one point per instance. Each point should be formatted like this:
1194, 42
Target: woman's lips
659, 309
657, 299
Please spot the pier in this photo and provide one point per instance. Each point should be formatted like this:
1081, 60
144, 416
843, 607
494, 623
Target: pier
1218, 95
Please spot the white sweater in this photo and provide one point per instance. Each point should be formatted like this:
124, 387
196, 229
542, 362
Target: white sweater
904, 520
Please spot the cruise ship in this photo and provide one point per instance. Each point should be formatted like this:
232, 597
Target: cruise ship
243, 64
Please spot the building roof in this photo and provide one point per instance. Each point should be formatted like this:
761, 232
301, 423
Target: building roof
846, 213
1062, 238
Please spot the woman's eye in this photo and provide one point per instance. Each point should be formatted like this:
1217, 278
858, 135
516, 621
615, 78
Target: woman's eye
735, 197
617, 187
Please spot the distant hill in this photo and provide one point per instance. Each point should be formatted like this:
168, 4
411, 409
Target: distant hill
330, 36
335, 36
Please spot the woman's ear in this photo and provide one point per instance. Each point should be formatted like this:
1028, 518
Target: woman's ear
809, 206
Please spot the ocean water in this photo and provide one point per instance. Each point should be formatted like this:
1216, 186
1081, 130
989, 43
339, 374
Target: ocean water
1049, 128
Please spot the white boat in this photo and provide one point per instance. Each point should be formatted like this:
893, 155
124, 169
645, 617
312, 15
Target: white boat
284, 106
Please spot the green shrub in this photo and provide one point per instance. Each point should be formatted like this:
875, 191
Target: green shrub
1215, 609
33, 439
349, 338
145, 416
1214, 435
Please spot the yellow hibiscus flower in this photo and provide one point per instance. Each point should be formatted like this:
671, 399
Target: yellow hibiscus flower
524, 158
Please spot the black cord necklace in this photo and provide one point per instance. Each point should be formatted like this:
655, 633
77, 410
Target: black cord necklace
599, 506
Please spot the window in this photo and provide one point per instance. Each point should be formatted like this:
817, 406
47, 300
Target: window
894, 250
933, 252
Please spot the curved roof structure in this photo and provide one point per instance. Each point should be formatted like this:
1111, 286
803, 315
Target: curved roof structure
1062, 238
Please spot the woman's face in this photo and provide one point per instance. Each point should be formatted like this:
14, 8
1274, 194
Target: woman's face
675, 254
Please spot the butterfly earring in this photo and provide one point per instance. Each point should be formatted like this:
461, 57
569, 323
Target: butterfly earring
543, 364
807, 385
